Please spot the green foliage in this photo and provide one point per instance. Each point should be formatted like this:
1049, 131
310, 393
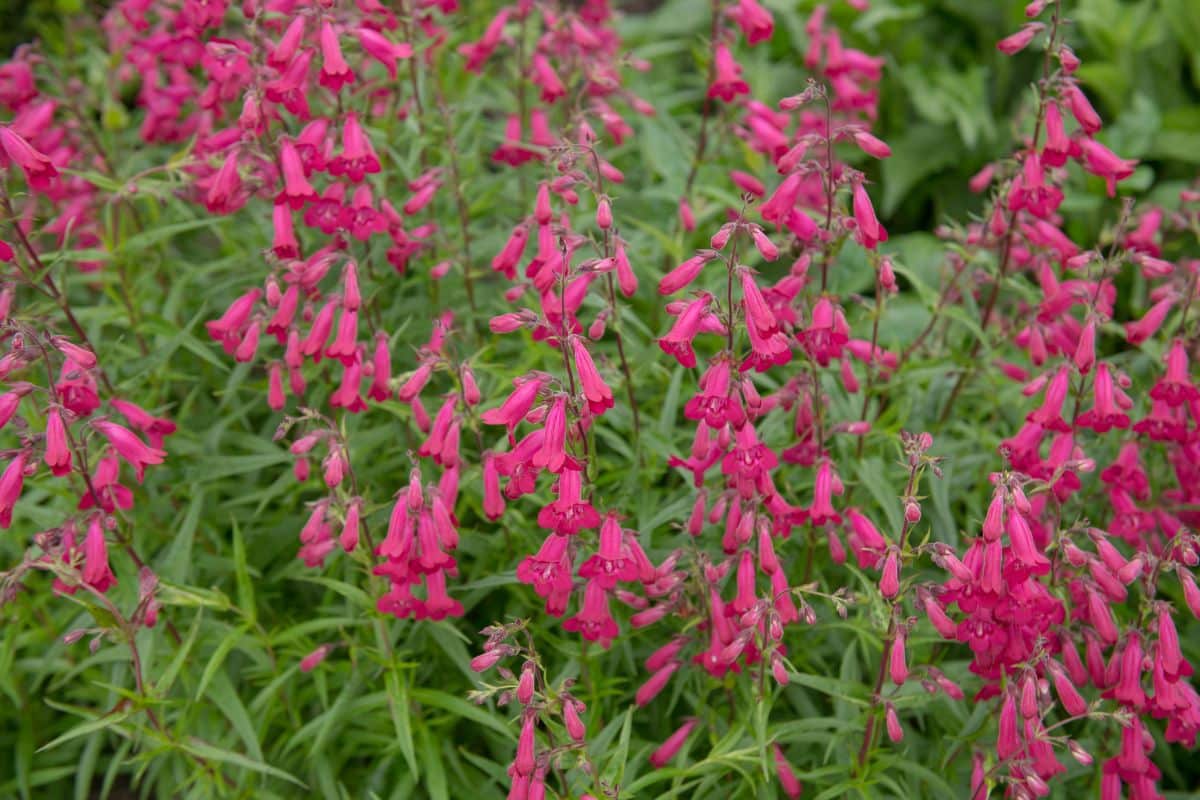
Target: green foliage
386, 714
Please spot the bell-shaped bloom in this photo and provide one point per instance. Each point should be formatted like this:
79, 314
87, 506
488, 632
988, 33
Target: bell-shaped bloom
678, 341
787, 777
96, 571
569, 513
58, 451
867, 230
727, 80
129, 447
225, 195
1081, 109
1104, 163
38, 168
357, 158
783, 200
670, 748
380, 48
553, 453
599, 396
11, 482
613, 562
545, 78
1058, 146
296, 189
1104, 414
477, 53
1015, 43
656, 683
516, 406
1049, 414
682, 276
335, 72
1141, 330
1175, 387
594, 620
755, 21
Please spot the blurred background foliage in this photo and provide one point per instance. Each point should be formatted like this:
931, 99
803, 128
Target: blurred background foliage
220, 519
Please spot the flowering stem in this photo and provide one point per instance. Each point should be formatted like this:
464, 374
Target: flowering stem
459, 200
1010, 228
889, 638
707, 109
51, 288
830, 188
871, 371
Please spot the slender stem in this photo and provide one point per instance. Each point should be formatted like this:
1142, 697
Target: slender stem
707, 109
888, 640
1010, 232
48, 282
459, 199
871, 371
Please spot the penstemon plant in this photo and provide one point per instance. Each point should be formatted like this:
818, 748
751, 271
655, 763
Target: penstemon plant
583, 399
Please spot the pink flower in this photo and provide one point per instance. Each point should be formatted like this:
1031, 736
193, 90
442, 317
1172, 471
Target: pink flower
1141, 330
11, 482
296, 189
335, 72
599, 396
755, 21
613, 562
515, 407
1058, 146
313, 659
872, 146
549, 570
594, 621
545, 78
571, 720
678, 341
1049, 415
1104, 414
787, 778
553, 454
671, 747
38, 168
1102, 162
1015, 43
867, 230
477, 53
1175, 387
727, 75
58, 453
357, 158
655, 683
683, 275
686, 217
381, 49
130, 447
96, 572
1082, 109
568, 513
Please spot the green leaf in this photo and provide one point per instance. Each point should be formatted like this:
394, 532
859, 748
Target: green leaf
209, 752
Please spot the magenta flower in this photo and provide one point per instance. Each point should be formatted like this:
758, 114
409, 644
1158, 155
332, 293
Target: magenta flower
38, 168
670, 748
594, 620
11, 482
678, 341
867, 230
129, 447
727, 75
58, 453
96, 572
